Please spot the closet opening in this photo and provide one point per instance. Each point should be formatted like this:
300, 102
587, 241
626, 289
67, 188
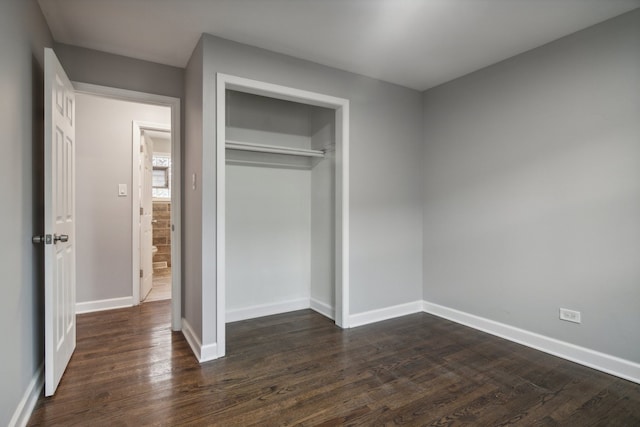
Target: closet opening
282, 202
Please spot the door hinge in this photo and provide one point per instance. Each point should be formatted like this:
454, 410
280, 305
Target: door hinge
141, 273
141, 148
141, 211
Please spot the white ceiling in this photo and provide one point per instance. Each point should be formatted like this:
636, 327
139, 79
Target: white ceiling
414, 43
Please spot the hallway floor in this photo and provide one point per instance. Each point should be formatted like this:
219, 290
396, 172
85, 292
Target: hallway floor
161, 287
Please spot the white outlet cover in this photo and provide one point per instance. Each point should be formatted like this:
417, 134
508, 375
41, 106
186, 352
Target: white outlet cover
570, 315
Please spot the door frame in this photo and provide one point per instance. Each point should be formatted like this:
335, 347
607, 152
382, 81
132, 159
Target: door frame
226, 82
176, 190
136, 134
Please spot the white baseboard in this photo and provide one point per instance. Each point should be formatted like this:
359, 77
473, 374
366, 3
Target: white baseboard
593, 359
28, 402
323, 308
202, 353
192, 339
103, 304
261, 310
209, 352
384, 313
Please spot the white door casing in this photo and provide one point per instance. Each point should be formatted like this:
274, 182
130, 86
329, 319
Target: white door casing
176, 217
60, 249
216, 273
137, 138
146, 215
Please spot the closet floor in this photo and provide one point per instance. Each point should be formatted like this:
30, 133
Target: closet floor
300, 369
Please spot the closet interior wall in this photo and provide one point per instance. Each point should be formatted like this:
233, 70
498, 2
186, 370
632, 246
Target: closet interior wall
280, 208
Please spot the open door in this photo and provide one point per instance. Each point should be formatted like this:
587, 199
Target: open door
59, 220
146, 215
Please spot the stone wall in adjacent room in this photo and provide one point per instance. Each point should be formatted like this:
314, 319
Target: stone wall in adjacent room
162, 234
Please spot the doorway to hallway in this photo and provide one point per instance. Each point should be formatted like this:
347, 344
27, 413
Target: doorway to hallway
112, 182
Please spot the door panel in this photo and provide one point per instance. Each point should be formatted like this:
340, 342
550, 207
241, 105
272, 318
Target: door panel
146, 216
60, 250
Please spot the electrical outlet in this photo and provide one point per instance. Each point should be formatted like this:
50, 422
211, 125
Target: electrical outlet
569, 315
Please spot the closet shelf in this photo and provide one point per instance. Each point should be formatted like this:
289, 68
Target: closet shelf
278, 149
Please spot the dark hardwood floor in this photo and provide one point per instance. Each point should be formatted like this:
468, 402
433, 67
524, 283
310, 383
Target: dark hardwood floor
298, 368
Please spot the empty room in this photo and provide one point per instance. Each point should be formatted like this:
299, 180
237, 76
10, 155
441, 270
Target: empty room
337, 212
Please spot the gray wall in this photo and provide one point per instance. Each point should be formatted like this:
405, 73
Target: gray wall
268, 233
532, 189
23, 36
192, 196
106, 69
323, 187
262, 120
103, 160
386, 167
162, 145
268, 218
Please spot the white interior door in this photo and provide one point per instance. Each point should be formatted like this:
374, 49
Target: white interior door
146, 216
59, 207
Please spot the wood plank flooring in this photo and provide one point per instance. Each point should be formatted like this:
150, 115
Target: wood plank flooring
298, 368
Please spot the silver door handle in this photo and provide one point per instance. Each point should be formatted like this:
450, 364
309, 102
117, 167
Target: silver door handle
46, 239
61, 238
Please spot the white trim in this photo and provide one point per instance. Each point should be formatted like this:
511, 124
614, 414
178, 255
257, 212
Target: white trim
209, 352
202, 353
286, 93
341, 107
123, 94
221, 177
136, 134
265, 148
176, 215
103, 304
261, 310
584, 356
385, 313
323, 308
176, 184
25, 407
342, 302
192, 338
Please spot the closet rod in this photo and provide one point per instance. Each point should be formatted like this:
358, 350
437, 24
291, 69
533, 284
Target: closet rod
264, 148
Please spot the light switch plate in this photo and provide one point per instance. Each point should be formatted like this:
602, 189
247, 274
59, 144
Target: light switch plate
122, 190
